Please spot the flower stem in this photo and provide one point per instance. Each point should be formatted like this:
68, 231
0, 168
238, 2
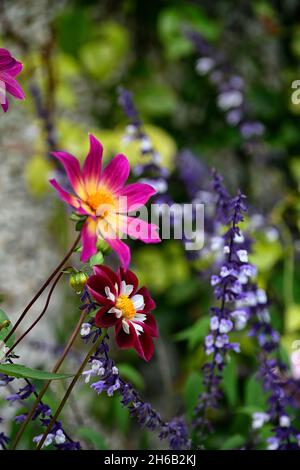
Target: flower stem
46, 386
39, 317
41, 290
70, 388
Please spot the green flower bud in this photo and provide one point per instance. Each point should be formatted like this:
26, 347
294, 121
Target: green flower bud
103, 246
4, 324
78, 281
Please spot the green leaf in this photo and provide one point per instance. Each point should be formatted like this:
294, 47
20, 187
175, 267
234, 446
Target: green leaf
4, 332
292, 318
192, 390
194, 334
233, 442
94, 437
98, 258
132, 375
254, 394
230, 381
20, 371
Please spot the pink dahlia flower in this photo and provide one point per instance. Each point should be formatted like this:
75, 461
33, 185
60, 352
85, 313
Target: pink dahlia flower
125, 307
105, 200
9, 69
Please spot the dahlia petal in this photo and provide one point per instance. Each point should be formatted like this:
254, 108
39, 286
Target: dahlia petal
72, 168
136, 228
138, 301
96, 287
9, 64
113, 279
92, 166
130, 278
149, 302
5, 105
151, 325
136, 194
116, 173
122, 250
144, 346
125, 340
65, 196
89, 239
105, 319
12, 86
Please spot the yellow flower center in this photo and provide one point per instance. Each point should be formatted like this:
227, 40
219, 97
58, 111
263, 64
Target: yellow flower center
126, 306
101, 198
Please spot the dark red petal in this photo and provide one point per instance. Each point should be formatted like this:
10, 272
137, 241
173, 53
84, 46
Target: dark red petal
105, 271
149, 325
96, 286
130, 278
144, 346
125, 340
149, 302
104, 319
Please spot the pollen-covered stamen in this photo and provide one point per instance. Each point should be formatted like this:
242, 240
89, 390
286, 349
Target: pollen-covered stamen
102, 198
126, 306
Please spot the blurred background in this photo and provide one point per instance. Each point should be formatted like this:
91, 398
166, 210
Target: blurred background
212, 82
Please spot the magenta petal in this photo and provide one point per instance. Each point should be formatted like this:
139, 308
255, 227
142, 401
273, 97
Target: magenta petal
9, 64
89, 239
72, 168
93, 163
138, 229
122, 250
66, 197
5, 105
116, 173
136, 194
12, 85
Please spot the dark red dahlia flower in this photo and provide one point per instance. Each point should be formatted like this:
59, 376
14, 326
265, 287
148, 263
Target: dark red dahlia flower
125, 307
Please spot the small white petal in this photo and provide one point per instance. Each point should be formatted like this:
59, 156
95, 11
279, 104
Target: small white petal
138, 301
243, 256
109, 294
116, 311
125, 326
129, 289
138, 328
140, 317
284, 421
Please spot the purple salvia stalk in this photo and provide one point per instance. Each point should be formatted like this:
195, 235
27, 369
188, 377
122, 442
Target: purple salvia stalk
251, 306
227, 290
152, 172
4, 439
59, 438
231, 97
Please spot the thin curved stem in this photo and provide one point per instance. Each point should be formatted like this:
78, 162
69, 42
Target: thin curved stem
70, 388
46, 386
41, 290
39, 317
